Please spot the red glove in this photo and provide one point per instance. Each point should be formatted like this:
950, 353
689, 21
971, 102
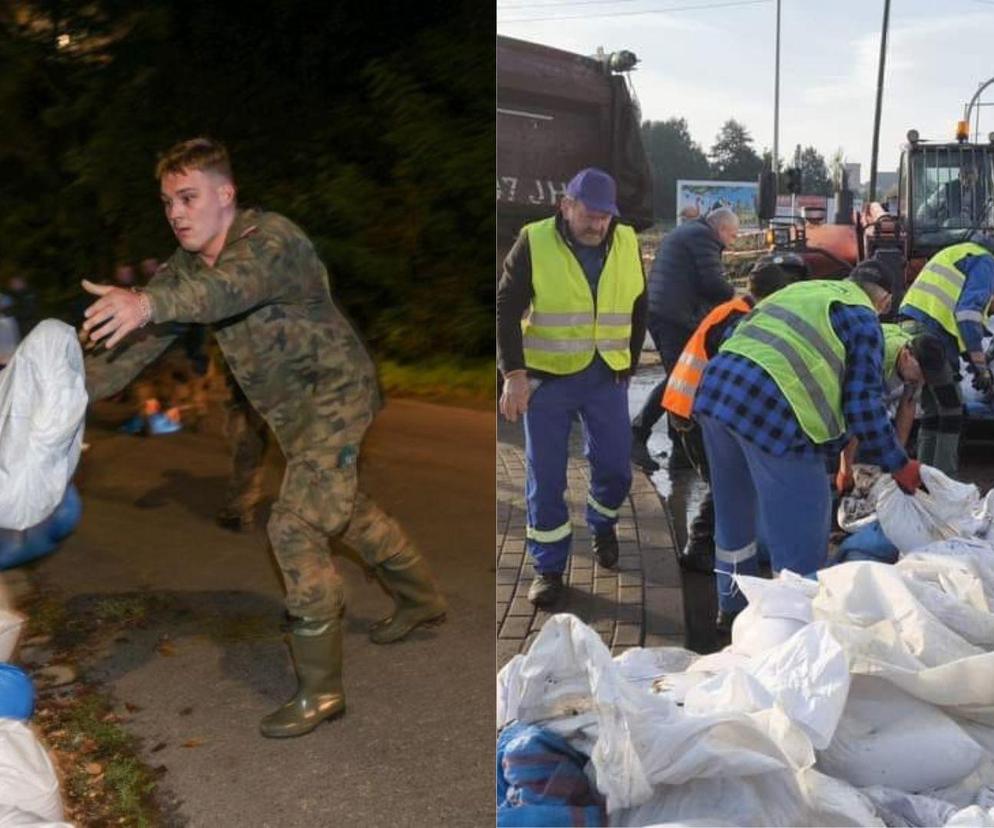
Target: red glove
843, 482
909, 477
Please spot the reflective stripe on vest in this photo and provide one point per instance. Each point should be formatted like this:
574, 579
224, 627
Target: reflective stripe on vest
895, 338
937, 289
790, 336
681, 387
564, 329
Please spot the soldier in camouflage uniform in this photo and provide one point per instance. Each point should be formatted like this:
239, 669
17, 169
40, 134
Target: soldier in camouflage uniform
256, 278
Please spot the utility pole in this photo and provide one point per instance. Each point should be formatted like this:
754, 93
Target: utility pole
880, 95
776, 101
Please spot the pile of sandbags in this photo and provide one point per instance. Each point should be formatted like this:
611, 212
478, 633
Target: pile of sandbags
865, 697
42, 406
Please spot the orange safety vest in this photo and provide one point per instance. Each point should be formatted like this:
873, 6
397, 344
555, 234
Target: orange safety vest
678, 396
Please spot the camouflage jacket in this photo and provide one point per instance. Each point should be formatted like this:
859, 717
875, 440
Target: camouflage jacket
294, 354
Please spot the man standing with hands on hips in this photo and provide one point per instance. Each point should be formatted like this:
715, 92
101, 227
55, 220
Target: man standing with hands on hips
578, 275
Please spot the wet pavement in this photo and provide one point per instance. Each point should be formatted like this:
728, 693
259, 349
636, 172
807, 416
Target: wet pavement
681, 491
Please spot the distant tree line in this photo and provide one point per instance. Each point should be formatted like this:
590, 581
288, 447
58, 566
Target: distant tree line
368, 124
673, 155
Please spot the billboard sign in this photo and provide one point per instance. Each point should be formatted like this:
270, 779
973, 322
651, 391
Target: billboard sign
698, 198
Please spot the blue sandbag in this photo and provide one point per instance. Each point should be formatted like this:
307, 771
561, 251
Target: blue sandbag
20, 547
868, 544
17, 693
540, 781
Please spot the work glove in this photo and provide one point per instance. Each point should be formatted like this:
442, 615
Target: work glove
844, 481
983, 381
909, 477
514, 398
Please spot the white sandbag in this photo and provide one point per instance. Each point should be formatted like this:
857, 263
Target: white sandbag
783, 798
643, 666
974, 816
777, 609
900, 809
42, 406
640, 739
807, 677
754, 634
11, 817
887, 737
27, 778
874, 596
11, 624
953, 591
947, 510
978, 552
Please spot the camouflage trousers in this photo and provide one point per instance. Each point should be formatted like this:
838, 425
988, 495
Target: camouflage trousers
249, 438
319, 500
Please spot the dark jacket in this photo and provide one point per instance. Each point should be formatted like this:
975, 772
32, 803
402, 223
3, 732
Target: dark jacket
687, 278
514, 296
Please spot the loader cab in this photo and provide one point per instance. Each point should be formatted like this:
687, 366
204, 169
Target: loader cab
946, 192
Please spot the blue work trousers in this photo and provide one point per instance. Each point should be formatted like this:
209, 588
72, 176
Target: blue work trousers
600, 400
787, 496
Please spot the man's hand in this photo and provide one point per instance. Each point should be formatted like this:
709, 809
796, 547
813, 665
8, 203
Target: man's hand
844, 481
116, 313
983, 381
909, 477
514, 399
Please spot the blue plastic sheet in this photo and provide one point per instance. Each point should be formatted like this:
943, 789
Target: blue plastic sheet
17, 693
540, 781
868, 544
20, 547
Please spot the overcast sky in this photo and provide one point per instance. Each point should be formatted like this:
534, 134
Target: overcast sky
716, 61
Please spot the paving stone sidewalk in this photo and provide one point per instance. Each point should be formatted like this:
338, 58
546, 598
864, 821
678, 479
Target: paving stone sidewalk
639, 604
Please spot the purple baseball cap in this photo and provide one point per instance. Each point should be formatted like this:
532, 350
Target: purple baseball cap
596, 189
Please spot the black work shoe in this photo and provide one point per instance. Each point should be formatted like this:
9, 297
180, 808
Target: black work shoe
641, 457
234, 521
605, 546
697, 556
545, 590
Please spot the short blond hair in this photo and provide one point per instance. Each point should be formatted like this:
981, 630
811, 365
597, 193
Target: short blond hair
204, 154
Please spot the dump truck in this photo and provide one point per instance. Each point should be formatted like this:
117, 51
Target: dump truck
558, 112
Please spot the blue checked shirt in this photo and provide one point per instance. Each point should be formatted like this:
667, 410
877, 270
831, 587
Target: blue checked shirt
742, 396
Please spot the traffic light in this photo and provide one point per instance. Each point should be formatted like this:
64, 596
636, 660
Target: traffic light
793, 176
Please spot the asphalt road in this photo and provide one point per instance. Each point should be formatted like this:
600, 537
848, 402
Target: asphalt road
415, 746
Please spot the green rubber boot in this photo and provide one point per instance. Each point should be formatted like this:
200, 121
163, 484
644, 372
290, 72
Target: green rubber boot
316, 647
417, 600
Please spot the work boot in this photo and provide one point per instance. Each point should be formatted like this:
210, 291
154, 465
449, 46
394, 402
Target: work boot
698, 555
316, 647
546, 589
641, 457
605, 546
234, 520
417, 600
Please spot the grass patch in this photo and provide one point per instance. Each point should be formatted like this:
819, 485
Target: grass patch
128, 609
45, 617
444, 379
104, 782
